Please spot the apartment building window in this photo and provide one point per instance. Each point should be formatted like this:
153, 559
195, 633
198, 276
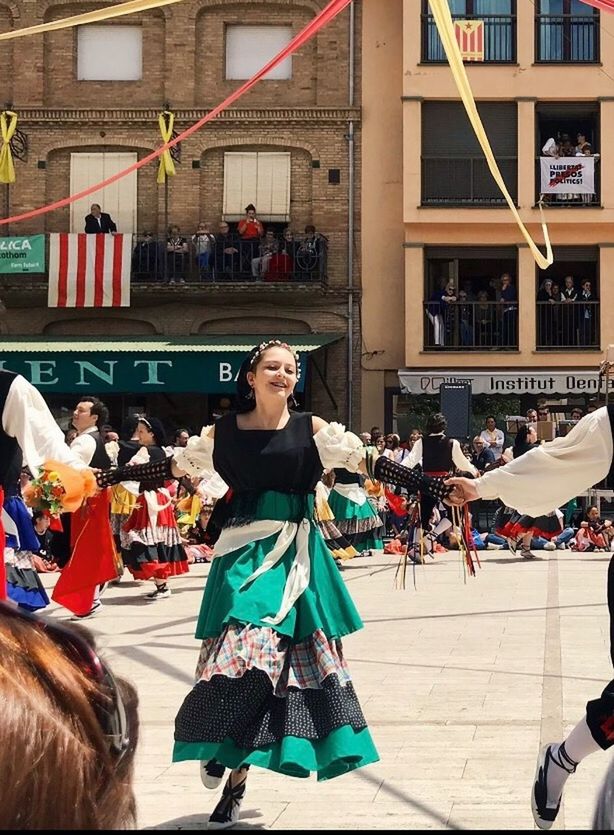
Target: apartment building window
249, 48
566, 31
499, 34
568, 166
567, 306
470, 298
454, 171
260, 178
109, 53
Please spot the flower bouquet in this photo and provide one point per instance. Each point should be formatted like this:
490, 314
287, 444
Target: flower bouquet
59, 489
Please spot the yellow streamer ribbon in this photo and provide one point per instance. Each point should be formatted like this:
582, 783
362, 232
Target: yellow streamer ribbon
7, 169
87, 17
445, 27
167, 166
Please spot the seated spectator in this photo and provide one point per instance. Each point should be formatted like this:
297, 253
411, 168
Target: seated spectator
577, 413
146, 258
250, 230
493, 437
227, 260
43, 560
267, 248
195, 539
204, 249
69, 730
531, 416
594, 533
482, 455
176, 256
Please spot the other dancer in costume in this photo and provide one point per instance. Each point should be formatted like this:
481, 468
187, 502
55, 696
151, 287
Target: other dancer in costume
273, 688
548, 476
516, 526
151, 543
355, 516
27, 430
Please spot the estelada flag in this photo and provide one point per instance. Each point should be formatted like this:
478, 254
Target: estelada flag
89, 270
93, 560
470, 37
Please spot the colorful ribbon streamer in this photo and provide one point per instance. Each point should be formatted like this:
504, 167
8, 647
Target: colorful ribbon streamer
445, 27
167, 166
604, 5
7, 169
322, 19
87, 17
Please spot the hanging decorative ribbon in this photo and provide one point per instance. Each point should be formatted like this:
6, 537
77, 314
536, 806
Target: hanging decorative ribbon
8, 127
166, 120
445, 27
105, 13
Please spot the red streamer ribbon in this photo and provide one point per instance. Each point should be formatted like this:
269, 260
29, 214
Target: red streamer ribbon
326, 15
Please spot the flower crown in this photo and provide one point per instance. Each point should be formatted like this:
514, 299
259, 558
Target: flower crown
275, 343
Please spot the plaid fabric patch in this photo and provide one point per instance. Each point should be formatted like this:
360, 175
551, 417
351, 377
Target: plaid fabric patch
241, 648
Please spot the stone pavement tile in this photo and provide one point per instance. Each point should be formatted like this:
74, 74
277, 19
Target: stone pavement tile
390, 815
498, 816
193, 810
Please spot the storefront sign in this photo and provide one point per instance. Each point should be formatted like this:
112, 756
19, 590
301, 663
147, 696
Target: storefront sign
131, 373
567, 175
508, 383
22, 255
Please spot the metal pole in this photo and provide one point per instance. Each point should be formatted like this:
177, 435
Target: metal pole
351, 199
165, 248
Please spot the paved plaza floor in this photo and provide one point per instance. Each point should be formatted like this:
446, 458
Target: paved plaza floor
461, 682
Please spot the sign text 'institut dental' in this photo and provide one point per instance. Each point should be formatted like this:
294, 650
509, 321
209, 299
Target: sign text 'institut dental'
559, 381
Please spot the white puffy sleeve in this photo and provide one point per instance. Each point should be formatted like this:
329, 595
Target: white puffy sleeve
338, 448
196, 459
550, 475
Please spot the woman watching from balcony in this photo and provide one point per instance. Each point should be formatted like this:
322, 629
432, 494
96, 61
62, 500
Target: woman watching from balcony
544, 313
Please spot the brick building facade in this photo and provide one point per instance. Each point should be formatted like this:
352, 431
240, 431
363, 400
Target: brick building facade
183, 67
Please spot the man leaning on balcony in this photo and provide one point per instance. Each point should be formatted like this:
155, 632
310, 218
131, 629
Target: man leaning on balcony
99, 222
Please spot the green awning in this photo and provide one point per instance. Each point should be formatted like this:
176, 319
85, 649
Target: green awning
198, 364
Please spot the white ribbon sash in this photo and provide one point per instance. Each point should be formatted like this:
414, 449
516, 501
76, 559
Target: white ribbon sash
231, 539
352, 492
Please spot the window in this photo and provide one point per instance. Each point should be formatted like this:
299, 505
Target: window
499, 17
566, 31
454, 170
260, 178
567, 301
109, 53
119, 199
468, 304
249, 48
562, 130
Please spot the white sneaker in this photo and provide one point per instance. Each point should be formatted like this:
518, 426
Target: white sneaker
550, 546
211, 773
493, 546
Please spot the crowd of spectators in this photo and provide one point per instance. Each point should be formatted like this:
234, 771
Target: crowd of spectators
567, 313
246, 251
563, 146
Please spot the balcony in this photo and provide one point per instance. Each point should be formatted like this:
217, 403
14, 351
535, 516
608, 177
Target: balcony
564, 326
235, 264
466, 326
560, 198
465, 181
567, 39
499, 39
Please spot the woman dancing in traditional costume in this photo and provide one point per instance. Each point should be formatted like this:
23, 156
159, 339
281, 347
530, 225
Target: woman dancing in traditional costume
272, 686
355, 516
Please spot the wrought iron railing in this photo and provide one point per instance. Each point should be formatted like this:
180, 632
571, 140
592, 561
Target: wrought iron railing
456, 181
567, 39
567, 325
464, 326
499, 39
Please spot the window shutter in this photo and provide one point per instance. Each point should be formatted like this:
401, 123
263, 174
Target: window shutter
259, 178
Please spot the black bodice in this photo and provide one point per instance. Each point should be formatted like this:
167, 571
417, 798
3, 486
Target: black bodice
285, 460
437, 454
343, 476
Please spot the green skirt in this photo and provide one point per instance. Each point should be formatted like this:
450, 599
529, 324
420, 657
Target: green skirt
279, 697
359, 523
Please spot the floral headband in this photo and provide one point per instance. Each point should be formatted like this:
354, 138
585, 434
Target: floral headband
275, 343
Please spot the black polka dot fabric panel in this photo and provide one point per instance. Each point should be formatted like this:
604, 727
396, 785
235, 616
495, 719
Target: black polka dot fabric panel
246, 711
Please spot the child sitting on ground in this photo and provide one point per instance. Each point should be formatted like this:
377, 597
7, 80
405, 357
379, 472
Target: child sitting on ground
594, 534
